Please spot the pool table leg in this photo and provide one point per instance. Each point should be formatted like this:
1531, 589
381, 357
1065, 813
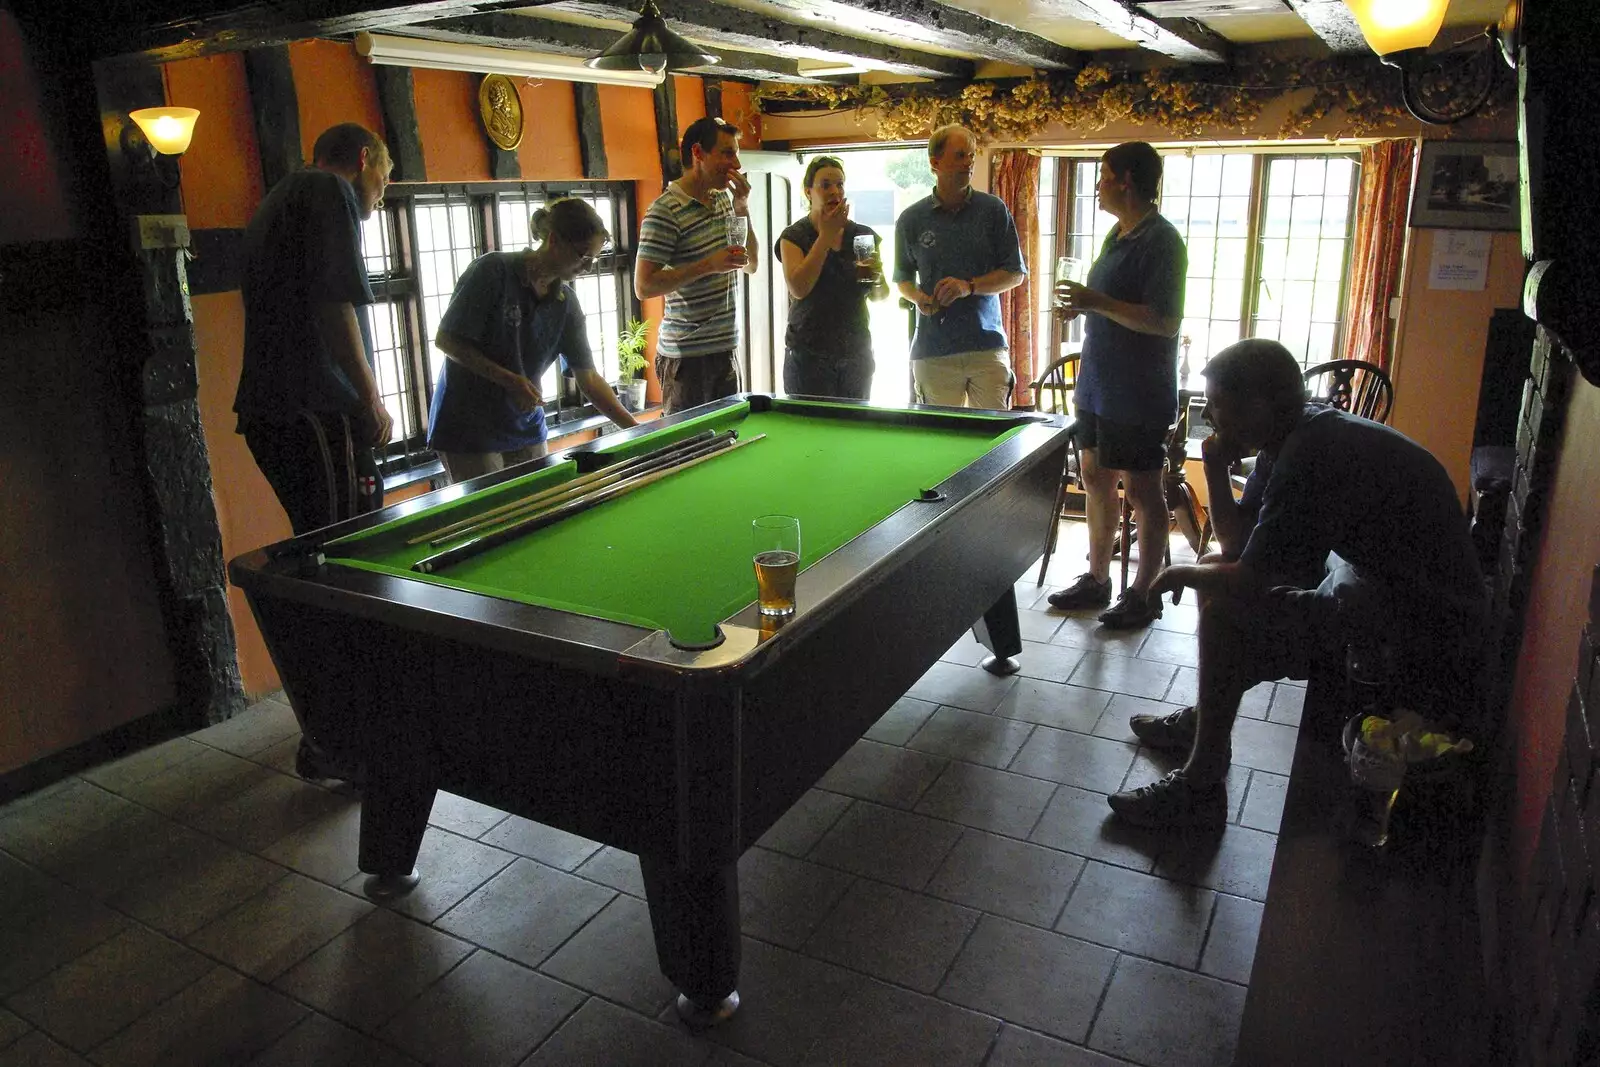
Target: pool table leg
695, 917
1000, 632
394, 816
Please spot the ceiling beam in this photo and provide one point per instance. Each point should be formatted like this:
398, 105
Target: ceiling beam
731, 27
927, 22
1332, 21
1182, 39
530, 33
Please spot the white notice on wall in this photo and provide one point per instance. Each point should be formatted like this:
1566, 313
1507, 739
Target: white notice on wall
1460, 259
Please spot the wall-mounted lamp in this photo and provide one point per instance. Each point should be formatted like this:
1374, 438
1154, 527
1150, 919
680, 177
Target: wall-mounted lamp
1437, 88
651, 46
156, 134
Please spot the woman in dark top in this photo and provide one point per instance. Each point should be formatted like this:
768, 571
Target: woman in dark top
828, 349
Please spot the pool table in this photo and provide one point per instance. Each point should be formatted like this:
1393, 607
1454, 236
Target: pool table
611, 676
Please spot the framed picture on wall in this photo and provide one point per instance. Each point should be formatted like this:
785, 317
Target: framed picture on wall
1466, 185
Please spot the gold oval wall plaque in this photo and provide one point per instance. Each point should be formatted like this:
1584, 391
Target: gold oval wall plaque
500, 111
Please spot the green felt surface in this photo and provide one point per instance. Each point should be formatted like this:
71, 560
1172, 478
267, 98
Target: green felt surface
675, 555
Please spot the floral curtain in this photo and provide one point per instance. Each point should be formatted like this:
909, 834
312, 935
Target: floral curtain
1380, 240
1014, 178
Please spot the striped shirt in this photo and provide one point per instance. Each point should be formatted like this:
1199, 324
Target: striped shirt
678, 230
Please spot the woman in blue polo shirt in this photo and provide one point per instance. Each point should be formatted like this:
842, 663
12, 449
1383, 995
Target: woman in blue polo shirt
511, 316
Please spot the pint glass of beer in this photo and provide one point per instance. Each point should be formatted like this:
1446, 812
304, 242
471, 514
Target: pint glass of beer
775, 540
866, 250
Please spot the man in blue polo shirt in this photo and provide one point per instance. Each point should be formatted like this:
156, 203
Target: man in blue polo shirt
955, 253
1127, 389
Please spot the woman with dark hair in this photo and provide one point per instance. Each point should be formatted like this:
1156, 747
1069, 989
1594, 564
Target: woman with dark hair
828, 348
511, 316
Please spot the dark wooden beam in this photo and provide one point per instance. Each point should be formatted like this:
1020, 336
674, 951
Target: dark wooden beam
398, 101
1179, 38
1332, 21
591, 135
720, 26
277, 111
565, 39
666, 100
926, 22
712, 88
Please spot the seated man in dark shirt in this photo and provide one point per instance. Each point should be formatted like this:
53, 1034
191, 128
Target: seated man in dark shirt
1345, 500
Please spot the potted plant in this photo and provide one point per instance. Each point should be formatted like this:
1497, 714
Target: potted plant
630, 364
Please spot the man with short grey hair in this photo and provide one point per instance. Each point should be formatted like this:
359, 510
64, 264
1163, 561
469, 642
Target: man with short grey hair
955, 252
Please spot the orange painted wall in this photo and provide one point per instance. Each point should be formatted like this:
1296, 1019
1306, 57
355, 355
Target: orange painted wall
1439, 351
739, 108
222, 169
30, 172
629, 117
341, 89
690, 93
549, 146
453, 148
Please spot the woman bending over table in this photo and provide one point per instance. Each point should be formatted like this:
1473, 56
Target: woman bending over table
828, 349
511, 316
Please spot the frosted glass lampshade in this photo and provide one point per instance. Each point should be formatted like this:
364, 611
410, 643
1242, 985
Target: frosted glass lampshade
1398, 25
168, 129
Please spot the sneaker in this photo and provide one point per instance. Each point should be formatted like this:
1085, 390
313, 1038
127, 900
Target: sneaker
1132, 611
1084, 592
1169, 733
1173, 802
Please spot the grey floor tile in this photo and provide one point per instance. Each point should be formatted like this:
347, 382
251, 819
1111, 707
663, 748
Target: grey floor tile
1239, 861
270, 809
1256, 701
615, 868
888, 1027
46, 924
488, 1012
784, 998
806, 823
968, 651
1185, 689
318, 1041
1231, 945
1049, 662
887, 844
109, 860
1178, 618
1263, 805
782, 899
889, 933
526, 911
327, 848
55, 831
1079, 821
614, 955
280, 757
1083, 631
1065, 707
1123, 674
196, 785
462, 816
1169, 646
1113, 723
273, 931
884, 773
723, 1057
35, 1049
604, 1035
1138, 913
259, 726
372, 970
1075, 759
1003, 876
971, 736
221, 1018
1005, 965
548, 845
86, 1001
1037, 625
988, 799
1288, 702
211, 879
972, 688
1022, 1048
146, 762
904, 718
1263, 746
1197, 1024
452, 867
11, 1027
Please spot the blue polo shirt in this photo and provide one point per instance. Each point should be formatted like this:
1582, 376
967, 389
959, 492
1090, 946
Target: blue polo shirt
505, 319
1127, 376
931, 243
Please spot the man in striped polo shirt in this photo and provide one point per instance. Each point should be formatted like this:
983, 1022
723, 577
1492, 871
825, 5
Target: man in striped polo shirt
685, 255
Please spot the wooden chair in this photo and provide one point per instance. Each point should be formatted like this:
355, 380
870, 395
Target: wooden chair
1052, 392
1352, 385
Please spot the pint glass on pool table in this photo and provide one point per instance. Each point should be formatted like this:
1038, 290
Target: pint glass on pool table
775, 540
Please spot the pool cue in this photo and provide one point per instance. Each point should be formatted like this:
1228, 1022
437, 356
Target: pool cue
468, 549
567, 492
571, 485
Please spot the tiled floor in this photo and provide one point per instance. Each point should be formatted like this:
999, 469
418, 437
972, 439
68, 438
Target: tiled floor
952, 893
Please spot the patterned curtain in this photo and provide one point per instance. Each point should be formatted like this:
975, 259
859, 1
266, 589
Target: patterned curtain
1380, 239
1014, 178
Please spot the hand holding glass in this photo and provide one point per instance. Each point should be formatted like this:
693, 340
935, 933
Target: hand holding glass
1070, 269
866, 249
775, 540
